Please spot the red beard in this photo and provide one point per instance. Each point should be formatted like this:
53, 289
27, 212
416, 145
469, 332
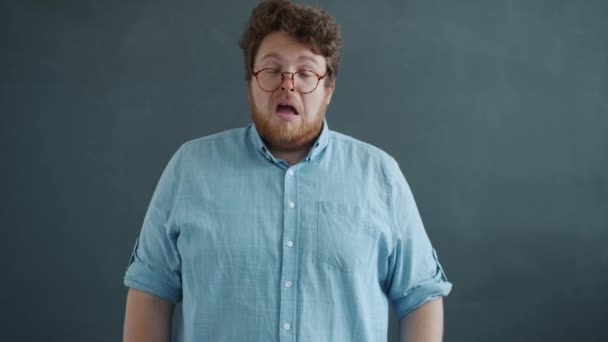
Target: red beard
286, 136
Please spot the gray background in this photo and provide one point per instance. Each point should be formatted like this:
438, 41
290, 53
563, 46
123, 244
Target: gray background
496, 110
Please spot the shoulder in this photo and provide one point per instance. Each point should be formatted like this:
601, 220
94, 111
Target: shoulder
227, 136
219, 143
366, 152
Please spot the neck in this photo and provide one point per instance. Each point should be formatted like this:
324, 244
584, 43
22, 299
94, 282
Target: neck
296, 151
291, 156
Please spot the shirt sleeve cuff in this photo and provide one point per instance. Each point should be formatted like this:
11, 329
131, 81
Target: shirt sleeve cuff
420, 295
136, 278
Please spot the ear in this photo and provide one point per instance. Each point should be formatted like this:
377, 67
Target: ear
249, 90
330, 90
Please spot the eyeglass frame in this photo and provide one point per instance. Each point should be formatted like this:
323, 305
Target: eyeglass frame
293, 81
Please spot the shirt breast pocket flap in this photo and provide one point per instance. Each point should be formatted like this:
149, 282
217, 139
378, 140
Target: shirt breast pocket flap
346, 239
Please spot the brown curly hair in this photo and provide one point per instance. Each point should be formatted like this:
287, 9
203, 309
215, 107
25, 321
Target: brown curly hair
306, 24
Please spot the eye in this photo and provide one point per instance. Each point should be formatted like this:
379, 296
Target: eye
271, 71
305, 73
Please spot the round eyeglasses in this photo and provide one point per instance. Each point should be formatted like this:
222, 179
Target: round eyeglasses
304, 81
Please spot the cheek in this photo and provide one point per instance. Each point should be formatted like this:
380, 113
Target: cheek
312, 105
260, 98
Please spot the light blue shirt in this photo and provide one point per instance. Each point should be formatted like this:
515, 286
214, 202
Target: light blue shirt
258, 250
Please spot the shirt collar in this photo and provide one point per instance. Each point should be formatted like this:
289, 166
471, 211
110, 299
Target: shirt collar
315, 150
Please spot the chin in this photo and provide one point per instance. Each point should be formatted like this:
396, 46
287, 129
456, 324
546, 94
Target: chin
286, 135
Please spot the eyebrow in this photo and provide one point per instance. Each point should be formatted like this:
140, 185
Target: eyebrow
277, 56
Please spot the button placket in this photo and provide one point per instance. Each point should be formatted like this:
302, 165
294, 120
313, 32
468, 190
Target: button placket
289, 255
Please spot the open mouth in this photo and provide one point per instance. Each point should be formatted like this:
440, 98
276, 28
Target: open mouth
286, 109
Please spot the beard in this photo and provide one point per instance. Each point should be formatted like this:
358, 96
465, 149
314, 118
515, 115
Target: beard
287, 135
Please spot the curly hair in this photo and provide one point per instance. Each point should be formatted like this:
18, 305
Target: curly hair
306, 24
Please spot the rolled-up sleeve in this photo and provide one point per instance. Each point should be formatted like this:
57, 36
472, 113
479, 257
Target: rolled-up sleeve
155, 264
415, 275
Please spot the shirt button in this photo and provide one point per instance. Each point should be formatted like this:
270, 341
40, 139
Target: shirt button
290, 172
291, 204
289, 243
288, 284
286, 326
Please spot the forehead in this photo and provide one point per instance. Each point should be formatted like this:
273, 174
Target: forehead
282, 47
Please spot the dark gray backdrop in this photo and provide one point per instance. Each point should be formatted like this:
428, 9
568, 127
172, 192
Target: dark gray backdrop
496, 110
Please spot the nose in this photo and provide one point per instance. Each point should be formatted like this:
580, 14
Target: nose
286, 77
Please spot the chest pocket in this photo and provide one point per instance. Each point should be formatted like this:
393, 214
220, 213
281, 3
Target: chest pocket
346, 240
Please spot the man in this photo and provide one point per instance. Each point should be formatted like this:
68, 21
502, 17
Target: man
284, 230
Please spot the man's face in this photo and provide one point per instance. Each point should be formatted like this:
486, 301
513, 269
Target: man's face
277, 124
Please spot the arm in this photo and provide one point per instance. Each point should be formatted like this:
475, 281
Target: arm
147, 318
424, 324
